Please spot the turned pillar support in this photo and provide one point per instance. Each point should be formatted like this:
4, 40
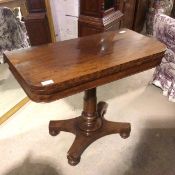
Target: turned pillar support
90, 120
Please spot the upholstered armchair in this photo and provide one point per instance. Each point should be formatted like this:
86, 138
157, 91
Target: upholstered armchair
157, 6
13, 33
164, 76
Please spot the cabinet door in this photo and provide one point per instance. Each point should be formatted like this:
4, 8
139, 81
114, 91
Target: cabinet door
128, 8
140, 14
37, 28
36, 6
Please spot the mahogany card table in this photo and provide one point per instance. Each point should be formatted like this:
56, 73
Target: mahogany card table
54, 71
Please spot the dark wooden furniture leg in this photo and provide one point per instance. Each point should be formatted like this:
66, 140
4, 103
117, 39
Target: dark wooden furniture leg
90, 126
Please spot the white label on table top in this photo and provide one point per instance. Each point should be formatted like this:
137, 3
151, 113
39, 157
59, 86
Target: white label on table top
48, 82
122, 31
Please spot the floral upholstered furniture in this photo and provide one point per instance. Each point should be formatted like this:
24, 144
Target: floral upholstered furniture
13, 33
164, 76
157, 6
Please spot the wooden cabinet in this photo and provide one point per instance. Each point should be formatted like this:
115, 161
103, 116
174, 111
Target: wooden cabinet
98, 16
128, 8
140, 14
38, 28
36, 6
94, 14
37, 23
134, 13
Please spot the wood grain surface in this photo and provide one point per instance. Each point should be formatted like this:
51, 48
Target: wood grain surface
84, 63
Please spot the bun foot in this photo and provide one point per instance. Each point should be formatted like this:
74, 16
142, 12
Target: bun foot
124, 135
73, 160
54, 132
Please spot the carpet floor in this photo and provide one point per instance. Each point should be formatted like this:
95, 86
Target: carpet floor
26, 148
10, 91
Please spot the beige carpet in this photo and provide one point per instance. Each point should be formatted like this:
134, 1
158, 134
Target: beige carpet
10, 91
26, 148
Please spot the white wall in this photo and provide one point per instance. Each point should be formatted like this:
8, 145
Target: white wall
65, 17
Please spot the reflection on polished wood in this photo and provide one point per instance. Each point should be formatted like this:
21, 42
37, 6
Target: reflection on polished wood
82, 65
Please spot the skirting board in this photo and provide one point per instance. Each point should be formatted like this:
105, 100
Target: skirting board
13, 110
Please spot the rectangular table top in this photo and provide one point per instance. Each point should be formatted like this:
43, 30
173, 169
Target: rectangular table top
57, 70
